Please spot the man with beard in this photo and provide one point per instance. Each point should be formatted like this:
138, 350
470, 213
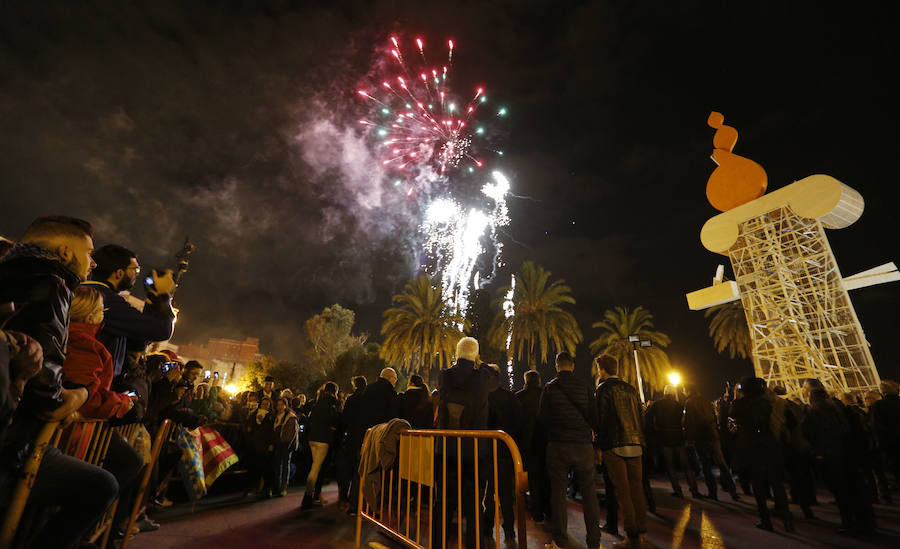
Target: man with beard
116, 271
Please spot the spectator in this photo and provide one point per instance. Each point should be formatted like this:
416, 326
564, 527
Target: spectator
886, 418
89, 364
884, 489
37, 277
701, 432
117, 271
463, 392
268, 389
354, 424
570, 416
620, 440
534, 446
323, 422
758, 451
415, 404
505, 414
262, 447
664, 419
380, 400
287, 436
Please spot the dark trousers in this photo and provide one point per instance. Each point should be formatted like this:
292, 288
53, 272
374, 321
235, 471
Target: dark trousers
448, 509
538, 483
348, 472
562, 456
710, 453
612, 504
627, 476
123, 461
82, 491
766, 473
282, 470
676, 456
505, 493
801, 480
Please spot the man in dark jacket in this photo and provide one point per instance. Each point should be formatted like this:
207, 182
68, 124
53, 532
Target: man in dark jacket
569, 415
37, 278
757, 449
701, 432
621, 440
886, 418
379, 403
354, 424
463, 392
534, 446
117, 271
664, 423
415, 404
505, 414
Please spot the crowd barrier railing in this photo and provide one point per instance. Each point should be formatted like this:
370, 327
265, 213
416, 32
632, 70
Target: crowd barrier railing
160, 440
421, 453
23, 486
88, 440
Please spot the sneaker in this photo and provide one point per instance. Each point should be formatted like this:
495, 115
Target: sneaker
147, 525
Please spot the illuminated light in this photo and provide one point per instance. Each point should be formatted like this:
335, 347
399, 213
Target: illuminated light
385, 110
674, 379
424, 77
483, 98
452, 107
397, 183
408, 106
478, 92
231, 388
394, 40
502, 112
382, 132
470, 109
500, 153
471, 169
363, 93
450, 43
480, 131
710, 538
479, 163
386, 85
420, 43
396, 54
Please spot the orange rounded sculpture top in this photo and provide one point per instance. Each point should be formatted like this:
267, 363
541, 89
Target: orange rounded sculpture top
736, 180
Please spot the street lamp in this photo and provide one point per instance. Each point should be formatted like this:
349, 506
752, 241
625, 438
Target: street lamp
674, 379
636, 342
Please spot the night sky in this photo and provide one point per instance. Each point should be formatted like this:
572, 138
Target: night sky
232, 124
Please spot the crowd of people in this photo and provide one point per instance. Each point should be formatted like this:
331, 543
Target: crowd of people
74, 344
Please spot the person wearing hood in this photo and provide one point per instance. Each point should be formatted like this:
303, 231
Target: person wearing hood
37, 277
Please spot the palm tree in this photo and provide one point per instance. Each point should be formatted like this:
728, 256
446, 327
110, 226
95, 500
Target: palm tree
422, 331
728, 329
616, 326
539, 325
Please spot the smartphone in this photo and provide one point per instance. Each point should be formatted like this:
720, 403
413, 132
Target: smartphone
166, 366
131, 393
216, 375
149, 282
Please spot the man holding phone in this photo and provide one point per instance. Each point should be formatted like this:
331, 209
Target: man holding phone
117, 270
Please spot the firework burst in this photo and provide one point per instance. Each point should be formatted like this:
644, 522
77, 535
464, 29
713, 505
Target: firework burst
420, 123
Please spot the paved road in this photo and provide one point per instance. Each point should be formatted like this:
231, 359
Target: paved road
678, 524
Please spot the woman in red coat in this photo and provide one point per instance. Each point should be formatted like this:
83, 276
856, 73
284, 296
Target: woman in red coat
88, 363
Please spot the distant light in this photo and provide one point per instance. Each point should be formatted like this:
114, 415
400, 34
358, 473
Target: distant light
479, 131
502, 112
397, 183
471, 169
408, 106
500, 153
452, 107
634, 338
231, 388
674, 379
382, 132
385, 110
483, 98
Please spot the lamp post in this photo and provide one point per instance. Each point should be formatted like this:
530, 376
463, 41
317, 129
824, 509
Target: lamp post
637, 342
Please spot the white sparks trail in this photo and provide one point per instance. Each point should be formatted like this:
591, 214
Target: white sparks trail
456, 238
509, 311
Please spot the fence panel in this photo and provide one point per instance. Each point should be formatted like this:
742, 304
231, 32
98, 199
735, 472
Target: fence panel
421, 475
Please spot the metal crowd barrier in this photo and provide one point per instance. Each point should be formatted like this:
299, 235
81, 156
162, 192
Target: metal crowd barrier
88, 440
421, 452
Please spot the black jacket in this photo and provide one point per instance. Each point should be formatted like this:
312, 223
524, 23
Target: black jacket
353, 420
533, 439
825, 428
123, 323
664, 421
505, 413
41, 288
468, 387
323, 420
700, 420
754, 438
416, 408
619, 411
886, 418
567, 411
380, 403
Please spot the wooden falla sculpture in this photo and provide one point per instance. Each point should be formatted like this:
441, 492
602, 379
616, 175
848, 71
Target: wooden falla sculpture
801, 320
